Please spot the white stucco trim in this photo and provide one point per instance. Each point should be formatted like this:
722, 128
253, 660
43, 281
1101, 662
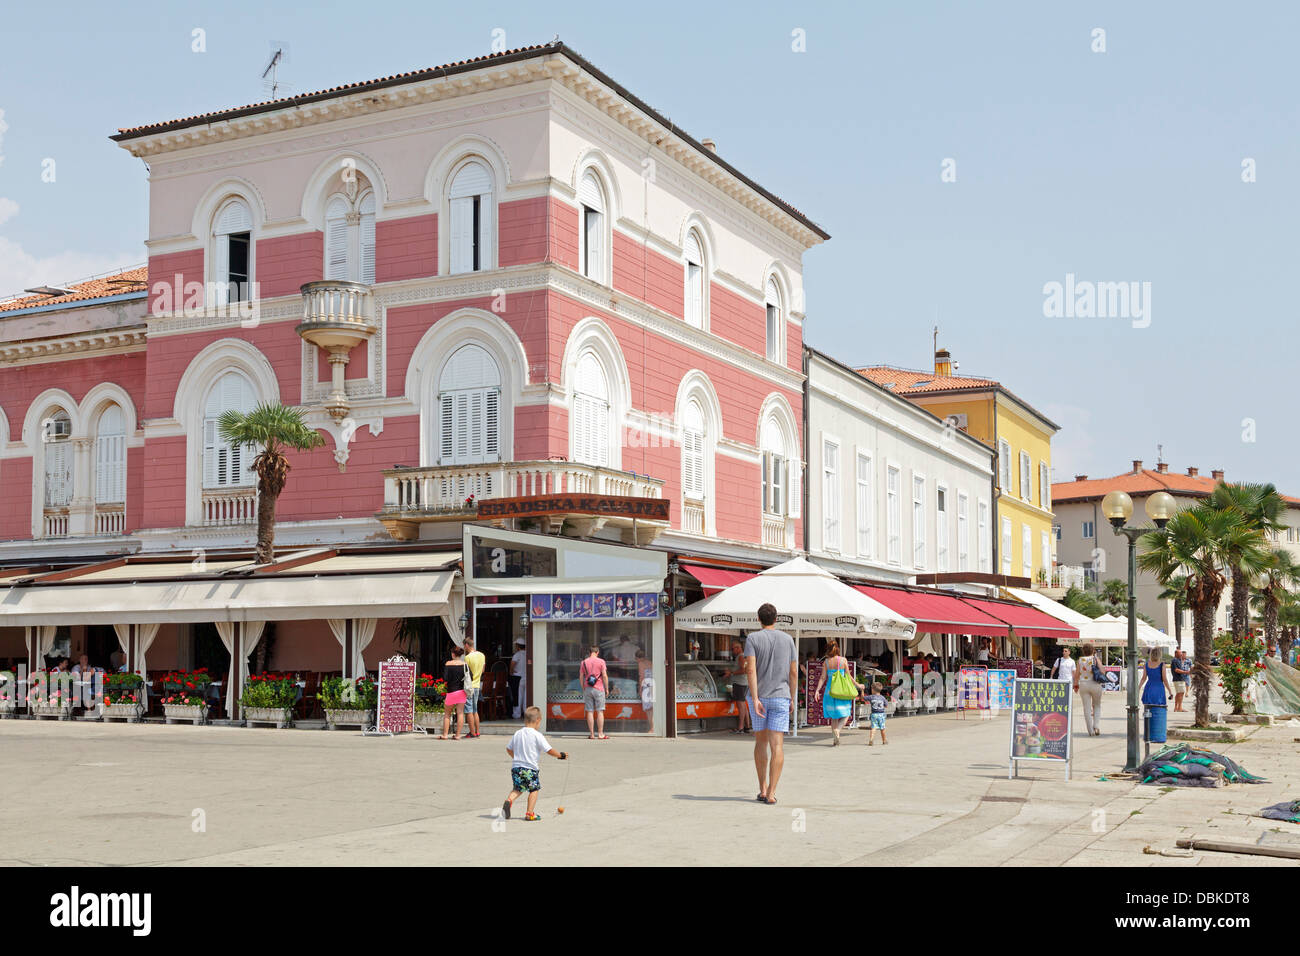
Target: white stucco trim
95, 401
198, 378
592, 334
435, 349
320, 186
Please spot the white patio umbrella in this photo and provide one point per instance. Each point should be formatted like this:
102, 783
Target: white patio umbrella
1110, 630
809, 600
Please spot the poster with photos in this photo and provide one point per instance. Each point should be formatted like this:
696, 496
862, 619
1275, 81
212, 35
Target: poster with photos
583, 607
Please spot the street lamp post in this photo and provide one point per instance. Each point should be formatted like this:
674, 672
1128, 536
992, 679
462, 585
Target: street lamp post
1118, 508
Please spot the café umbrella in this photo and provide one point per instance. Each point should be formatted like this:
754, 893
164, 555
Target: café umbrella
809, 600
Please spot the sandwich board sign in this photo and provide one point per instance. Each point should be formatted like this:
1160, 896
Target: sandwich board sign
395, 711
1041, 720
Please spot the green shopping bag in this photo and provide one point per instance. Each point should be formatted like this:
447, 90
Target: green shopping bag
842, 686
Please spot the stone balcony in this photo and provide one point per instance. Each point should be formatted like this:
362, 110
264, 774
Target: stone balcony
337, 316
546, 495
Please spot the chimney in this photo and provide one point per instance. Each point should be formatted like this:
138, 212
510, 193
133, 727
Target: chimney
942, 362
710, 145
1217, 474
1162, 467
1192, 472
1137, 465
1080, 477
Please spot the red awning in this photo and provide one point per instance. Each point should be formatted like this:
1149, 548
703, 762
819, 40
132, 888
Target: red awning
937, 613
1028, 621
715, 579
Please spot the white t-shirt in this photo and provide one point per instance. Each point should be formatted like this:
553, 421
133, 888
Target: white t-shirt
1065, 669
528, 745
518, 662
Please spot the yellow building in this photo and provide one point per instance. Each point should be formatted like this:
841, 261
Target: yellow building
1023, 542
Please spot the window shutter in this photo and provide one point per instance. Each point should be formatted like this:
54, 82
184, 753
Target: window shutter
589, 192
220, 294
56, 474
368, 239
462, 429
492, 426
767, 482
778, 484
110, 468
595, 238
462, 235
336, 240
796, 489
209, 453
486, 233
694, 255
446, 429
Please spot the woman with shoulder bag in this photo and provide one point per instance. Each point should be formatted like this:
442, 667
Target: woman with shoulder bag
1088, 682
454, 673
841, 690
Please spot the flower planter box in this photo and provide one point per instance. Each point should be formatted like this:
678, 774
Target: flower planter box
349, 718
280, 716
196, 714
8, 708
129, 712
59, 711
428, 719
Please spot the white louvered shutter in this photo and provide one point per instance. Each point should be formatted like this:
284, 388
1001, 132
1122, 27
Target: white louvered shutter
220, 293
462, 235
774, 324
693, 452
336, 239
368, 239
470, 408
492, 425
233, 217
796, 489
592, 203
110, 457
446, 429
58, 474
591, 412
225, 465
694, 281
210, 453
767, 482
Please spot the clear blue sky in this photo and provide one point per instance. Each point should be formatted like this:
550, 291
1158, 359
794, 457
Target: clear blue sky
1115, 166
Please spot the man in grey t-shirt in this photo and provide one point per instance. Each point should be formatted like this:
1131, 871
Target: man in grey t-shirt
772, 669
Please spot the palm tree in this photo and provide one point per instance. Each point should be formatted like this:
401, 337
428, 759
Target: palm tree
1200, 543
1176, 591
1263, 509
1083, 602
275, 429
1114, 594
1280, 573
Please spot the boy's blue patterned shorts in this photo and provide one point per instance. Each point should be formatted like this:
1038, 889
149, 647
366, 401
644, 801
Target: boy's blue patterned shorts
526, 779
877, 721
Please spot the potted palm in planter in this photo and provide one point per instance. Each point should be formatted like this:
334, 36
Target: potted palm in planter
123, 698
349, 703
184, 696
268, 699
429, 694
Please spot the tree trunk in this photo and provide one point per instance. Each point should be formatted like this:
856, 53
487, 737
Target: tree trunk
265, 525
1240, 603
1203, 648
1270, 620
1178, 626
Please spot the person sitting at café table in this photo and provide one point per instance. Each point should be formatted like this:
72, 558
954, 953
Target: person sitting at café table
83, 666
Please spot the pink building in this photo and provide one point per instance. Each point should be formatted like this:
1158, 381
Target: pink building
504, 278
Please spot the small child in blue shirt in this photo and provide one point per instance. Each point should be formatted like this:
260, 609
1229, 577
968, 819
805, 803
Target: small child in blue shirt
878, 706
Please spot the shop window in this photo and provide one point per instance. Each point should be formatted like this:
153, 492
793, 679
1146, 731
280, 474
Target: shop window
568, 644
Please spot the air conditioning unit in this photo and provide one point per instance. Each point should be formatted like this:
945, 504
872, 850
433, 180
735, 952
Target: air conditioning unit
957, 420
59, 428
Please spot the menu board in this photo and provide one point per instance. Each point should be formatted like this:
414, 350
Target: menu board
1021, 665
1040, 721
813, 701
1001, 688
1113, 674
396, 710
972, 688
588, 606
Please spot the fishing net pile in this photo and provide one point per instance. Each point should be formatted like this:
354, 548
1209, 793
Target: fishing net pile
1288, 810
1188, 766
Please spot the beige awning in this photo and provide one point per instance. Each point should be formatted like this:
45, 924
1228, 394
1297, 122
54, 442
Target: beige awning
294, 589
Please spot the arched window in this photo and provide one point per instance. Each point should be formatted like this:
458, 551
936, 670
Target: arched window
226, 465
696, 279
472, 216
56, 433
775, 323
693, 435
591, 412
591, 203
110, 457
350, 238
469, 408
782, 469
232, 253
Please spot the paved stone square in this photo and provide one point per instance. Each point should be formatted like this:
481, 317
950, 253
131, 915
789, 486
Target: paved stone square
84, 793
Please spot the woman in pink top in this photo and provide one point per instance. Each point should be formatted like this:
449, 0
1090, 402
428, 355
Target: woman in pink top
594, 677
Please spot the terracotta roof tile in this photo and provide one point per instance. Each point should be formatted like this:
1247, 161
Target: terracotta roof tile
911, 381
130, 280
1144, 482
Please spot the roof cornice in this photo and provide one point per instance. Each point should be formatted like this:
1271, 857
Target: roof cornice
102, 342
553, 61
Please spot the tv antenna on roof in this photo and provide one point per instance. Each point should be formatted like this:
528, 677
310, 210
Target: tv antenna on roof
270, 76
